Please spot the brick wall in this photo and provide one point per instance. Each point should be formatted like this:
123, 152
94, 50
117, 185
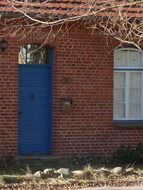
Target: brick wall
9, 99
86, 62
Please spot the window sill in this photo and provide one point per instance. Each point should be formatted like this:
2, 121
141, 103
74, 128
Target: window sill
128, 123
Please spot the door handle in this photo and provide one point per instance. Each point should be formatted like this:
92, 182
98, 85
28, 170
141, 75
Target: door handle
20, 112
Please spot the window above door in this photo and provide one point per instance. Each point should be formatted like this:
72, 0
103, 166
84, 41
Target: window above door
32, 54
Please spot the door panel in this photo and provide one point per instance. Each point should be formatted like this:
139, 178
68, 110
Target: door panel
35, 109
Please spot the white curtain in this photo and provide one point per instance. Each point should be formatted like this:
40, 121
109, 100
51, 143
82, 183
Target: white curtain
135, 95
119, 95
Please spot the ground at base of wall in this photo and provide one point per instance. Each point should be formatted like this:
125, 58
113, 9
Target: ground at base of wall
64, 175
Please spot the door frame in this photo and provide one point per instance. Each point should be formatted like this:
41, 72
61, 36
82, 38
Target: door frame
51, 61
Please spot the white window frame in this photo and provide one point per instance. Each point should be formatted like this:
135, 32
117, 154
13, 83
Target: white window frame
127, 70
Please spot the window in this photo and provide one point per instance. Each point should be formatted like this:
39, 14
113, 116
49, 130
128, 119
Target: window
128, 84
32, 54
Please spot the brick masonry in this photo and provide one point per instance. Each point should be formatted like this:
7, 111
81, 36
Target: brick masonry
83, 71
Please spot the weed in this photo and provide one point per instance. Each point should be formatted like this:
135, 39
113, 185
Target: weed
128, 154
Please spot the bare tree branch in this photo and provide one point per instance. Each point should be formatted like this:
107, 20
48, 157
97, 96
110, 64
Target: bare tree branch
121, 19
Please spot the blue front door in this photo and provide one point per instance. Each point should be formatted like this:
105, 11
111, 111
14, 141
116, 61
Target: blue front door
35, 109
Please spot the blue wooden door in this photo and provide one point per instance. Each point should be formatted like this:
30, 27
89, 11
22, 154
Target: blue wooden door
35, 109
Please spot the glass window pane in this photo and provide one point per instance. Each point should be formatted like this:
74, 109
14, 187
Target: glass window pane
22, 55
119, 94
135, 95
135, 111
135, 79
119, 111
119, 79
135, 87
32, 54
